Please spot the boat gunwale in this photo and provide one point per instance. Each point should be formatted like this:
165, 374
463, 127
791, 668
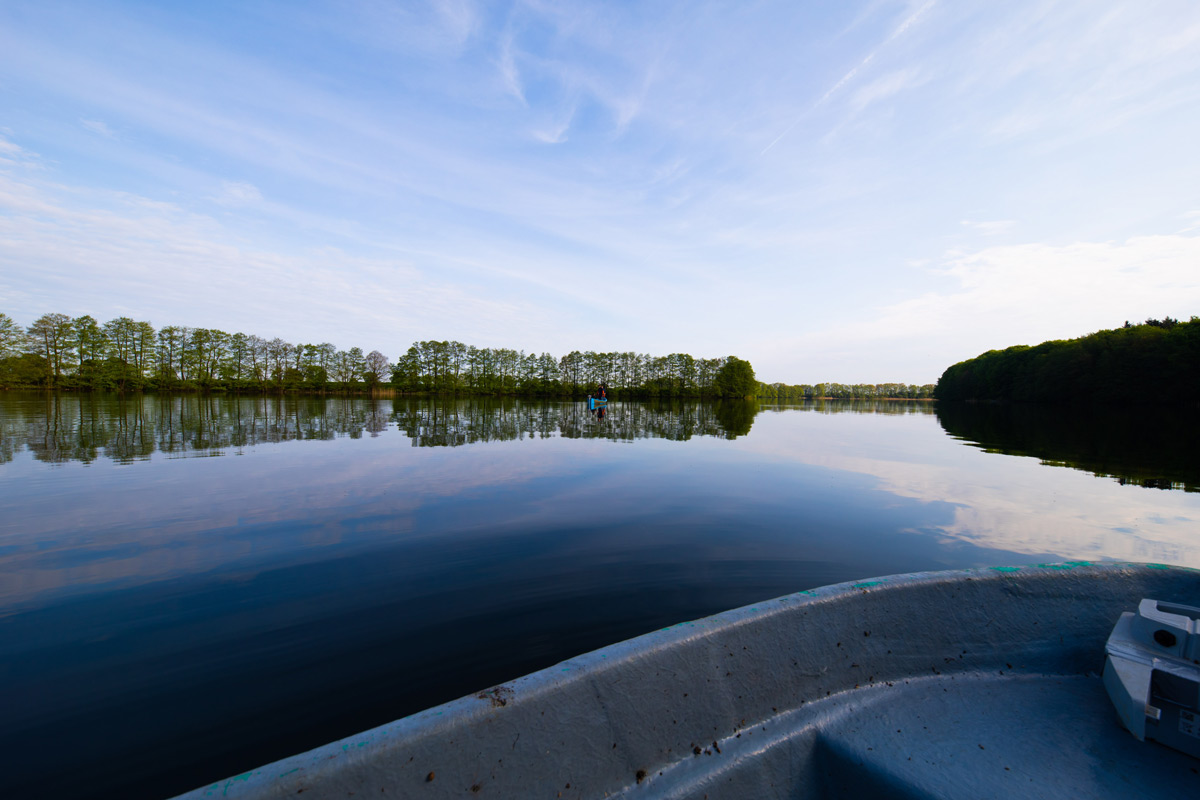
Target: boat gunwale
593, 678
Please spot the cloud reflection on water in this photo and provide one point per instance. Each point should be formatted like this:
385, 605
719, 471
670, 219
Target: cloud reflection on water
1009, 502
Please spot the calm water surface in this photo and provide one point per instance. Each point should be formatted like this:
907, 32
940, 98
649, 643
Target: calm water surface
190, 587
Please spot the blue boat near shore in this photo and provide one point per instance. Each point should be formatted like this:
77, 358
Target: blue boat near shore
982, 683
594, 403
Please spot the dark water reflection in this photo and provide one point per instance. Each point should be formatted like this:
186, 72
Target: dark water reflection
167, 620
1155, 446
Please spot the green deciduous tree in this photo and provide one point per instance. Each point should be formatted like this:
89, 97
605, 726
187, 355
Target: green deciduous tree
91, 350
123, 337
735, 378
377, 368
52, 337
12, 337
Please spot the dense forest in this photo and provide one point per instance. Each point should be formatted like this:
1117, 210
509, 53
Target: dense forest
1158, 360
59, 352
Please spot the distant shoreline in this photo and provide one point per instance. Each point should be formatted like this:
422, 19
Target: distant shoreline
391, 391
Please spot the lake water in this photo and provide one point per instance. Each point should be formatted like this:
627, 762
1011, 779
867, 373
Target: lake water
193, 586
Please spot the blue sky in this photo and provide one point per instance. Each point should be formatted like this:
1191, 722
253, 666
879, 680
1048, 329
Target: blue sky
837, 191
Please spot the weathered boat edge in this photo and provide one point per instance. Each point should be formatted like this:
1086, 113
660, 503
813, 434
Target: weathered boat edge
606, 721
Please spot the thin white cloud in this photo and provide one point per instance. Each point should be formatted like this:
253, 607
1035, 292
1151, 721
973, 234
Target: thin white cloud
509, 73
556, 132
13, 155
440, 29
990, 227
238, 193
96, 126
627, 107
882, 89
1066, 72
904, 25
459, 18
591, 58
887, 86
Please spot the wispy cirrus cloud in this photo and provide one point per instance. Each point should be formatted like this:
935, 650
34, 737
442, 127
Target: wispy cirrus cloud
905, 24
459, 18
992, 227
556, 132
13, 155
96, 126
510, 74
886, 86
238, 193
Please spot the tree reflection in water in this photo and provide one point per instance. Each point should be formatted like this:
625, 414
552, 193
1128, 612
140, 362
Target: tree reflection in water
58, 428
1151, 446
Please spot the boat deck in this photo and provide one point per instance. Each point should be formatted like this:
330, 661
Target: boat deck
967, 684
957, 736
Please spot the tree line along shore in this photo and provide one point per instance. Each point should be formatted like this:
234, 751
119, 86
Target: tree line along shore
1158, 360
81, 354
